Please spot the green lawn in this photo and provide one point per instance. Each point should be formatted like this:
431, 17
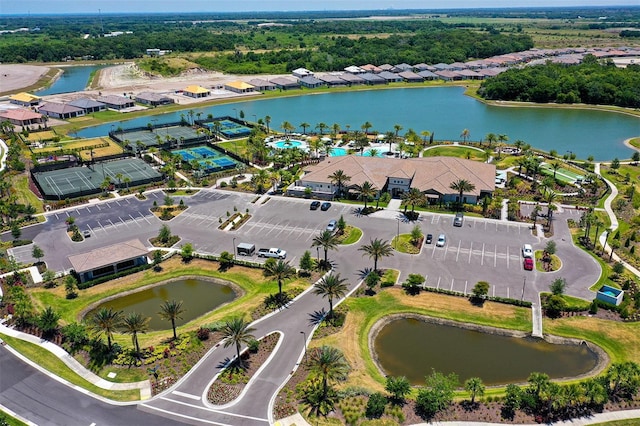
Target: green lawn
403, 244
9, 421
455, 151
352, 235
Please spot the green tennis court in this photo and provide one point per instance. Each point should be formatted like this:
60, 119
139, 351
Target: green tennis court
75, 182
562, 174
157, 136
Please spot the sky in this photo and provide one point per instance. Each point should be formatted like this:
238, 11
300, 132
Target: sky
159, 6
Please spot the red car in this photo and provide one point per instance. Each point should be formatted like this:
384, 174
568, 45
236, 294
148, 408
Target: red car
528, 264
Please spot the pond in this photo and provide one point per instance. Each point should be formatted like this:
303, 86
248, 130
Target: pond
198, 297
414, 347
446, 111
73, 79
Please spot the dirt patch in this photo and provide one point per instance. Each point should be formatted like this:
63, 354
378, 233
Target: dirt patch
16, 76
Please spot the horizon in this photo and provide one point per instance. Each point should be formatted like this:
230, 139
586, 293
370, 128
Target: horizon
84, 7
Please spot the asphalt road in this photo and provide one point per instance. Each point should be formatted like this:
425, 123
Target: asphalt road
481, 249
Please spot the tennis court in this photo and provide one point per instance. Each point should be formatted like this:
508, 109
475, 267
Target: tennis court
158, 135
562, 174
210, 160
81, 181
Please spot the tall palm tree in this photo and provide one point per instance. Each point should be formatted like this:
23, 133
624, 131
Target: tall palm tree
366, 126
335, 128
106, 321
465, 135
376, 249
329, 363
287, 127
171, 310
491, 138
555, 166
339, 178
331, 286
267, 121
280, 271
396, 129
304, 126
425, 134
321, 126
549, 198
462, 186
365, 191
327, 240
236, 332
133, 324
414, 197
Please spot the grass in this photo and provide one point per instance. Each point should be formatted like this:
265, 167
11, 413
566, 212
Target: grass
455, 151
20, 187
403, 244
351, 235
635, 142
250, 280
572, 302
390, 276
10, 421
555, 262
238, 147
52, 363
629, 422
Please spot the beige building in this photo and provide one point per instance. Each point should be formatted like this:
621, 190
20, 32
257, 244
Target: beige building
431, 175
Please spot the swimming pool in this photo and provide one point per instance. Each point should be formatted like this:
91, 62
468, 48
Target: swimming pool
337, 152
288, 143
379, 153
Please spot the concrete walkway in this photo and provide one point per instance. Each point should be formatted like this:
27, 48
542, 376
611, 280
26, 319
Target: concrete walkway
504, 210
536, 318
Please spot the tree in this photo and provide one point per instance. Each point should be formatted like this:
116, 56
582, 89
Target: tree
164, 235
557, 286
157, 259
480, 290
171, 310
330, 287
106, 321
304, 126
398, 387
339, 178
327, 240
236, 332
465, 135
48, 321
365, 191
376, 249
615, 164
342, 225
16, 232
328, 363
475, 387
187, 252
555, 166
133, 324
70, 285
491, 138
226, 259
636, 156
37, 253
371, 280
414, 197
306, 261
375, 405
437, 394
416, 235
462, 186
280, 271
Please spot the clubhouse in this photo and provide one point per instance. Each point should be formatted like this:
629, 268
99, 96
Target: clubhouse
431, 175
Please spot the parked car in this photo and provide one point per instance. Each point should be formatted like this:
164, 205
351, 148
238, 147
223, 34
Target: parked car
429, 238
272, 252
527, 251
314, 205
333, 224
457, 221
442, 240
325, 206
86, 233
528, 264
246, 249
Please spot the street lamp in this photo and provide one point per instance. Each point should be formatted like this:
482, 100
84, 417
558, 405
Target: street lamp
304, 345
523, 284
234, 248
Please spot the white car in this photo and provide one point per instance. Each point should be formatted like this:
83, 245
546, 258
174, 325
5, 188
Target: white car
333, 224
527, 251
442, 240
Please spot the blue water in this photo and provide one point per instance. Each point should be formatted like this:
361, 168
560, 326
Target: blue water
337, 152
379, 153
445, 111
291, 143
73, 79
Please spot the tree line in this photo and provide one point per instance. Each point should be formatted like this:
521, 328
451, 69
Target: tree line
589, 83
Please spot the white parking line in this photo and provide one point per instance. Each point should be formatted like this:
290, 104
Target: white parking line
507, 257
451, 289
438, 286
482, 259
125, 223
458, 255
470, 251
495, 256
465, 286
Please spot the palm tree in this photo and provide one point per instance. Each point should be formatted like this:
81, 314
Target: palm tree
491, 138
462, 186
376, 249
339, 178
171, 310
366, 126
329, 363
133, 324
304, 126
414, 197
475, 387
365, 191
465, 135
555, 166
396, 129
280, 271
331, 286
425, 134
321, 126
236, 332
267, 120
287, 127
327, 240
335, 128
106, 321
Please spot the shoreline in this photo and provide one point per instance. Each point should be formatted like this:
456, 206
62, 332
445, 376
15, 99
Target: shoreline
602, 358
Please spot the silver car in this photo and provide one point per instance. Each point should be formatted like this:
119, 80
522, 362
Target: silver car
442, 240
333, 224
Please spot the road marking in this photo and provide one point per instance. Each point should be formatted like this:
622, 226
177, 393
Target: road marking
470, 251
465, 286
211, 410
102, 227
458, 255
495, 256
184, 416
446, 249
98, 206
507, 257
482, 259
145, 218
438, 286
451, 284
111, 223
186, 395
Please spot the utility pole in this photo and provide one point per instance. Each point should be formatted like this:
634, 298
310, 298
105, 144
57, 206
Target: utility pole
523, 284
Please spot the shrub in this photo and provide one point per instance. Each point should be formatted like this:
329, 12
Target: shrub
253, 346
203, 333
375, 405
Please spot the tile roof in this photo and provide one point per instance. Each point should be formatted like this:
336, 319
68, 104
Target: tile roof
107, 255
20, 114
58, 108
196, 89
240, 85
86, 103
24, 97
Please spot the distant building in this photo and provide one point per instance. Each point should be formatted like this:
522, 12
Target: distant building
262, 85
58, 110
116, 102
311, 82
24, 99
21, 117
371, 78
194, 91
239, 87
109, 260
285, 83
157, 52
153, 99
411, 77
390, 77
302, 72
88, 105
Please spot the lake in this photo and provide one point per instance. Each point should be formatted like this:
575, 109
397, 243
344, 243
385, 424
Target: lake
446, 111
73, 79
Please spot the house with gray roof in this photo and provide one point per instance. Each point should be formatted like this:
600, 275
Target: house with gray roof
285, 83
390, 77
332, 80
262, 85
351, 78
423, 67
428, 75
442, 67
88, 105
470, 74
311, 82
403, 67
371, 78
448, 75
153, 99
109, 260
59, 110
302, 72
116, 102
386, 67
411, 77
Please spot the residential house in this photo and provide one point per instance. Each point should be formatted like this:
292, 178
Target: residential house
116, 102
59, 110
153, 99
24, 99
262, 85
238, 86
285, 83
88, 105
195, 91
311, 82
21, 117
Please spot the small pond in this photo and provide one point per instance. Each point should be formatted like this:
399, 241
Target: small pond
414, 347
198, 297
